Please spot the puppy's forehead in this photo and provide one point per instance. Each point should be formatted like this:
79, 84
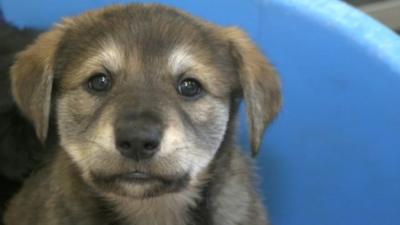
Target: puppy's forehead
142, 39
148, 30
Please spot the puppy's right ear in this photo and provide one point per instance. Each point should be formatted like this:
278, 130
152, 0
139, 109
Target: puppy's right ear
32, 80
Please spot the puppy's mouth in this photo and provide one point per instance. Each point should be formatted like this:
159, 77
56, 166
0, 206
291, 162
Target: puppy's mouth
136, 177
139, 184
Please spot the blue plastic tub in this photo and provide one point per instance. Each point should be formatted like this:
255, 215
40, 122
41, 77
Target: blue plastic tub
333, 155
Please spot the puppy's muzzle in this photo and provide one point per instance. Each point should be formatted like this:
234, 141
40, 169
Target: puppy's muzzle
138, 136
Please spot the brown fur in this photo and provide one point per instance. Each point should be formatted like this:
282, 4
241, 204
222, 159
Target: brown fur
199, 176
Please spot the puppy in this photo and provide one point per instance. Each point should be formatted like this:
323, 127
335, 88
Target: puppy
144, 100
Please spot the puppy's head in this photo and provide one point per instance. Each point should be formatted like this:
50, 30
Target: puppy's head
143, 94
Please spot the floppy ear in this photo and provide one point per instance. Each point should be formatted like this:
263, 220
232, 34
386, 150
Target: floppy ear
259, 83
32, 79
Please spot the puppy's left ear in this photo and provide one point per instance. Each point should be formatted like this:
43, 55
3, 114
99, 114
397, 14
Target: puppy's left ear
259, 84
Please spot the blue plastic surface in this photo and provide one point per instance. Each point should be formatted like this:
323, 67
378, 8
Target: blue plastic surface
333, 155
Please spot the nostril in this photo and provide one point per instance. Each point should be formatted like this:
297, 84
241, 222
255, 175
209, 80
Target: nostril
124, 144
150, 145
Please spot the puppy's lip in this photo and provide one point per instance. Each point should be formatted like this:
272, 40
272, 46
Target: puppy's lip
153, 184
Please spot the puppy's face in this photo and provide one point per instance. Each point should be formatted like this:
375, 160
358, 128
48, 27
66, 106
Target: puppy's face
144, 95
144, 99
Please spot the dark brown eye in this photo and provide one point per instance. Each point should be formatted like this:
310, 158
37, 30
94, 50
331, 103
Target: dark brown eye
190, 88
99, 82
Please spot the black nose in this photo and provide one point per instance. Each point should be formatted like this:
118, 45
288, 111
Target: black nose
138, 136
